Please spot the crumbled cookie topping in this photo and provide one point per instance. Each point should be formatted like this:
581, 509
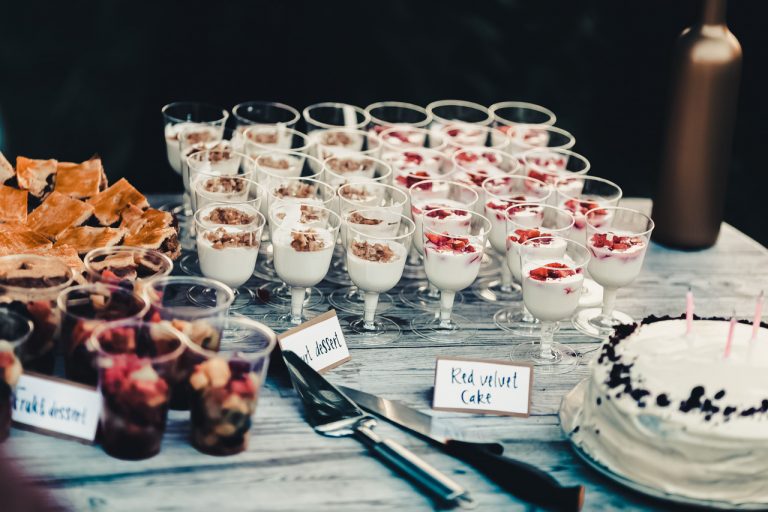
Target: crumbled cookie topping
373, 252
275, 163
307, 241
337, 139
263, 137
358, 218
224, 185
300, 190
222, 239
228, 215
344, 165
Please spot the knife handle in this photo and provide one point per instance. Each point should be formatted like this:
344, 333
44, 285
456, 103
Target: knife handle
408, 464
523, 480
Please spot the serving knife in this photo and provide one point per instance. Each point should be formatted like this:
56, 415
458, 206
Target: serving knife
332, 414
520, 479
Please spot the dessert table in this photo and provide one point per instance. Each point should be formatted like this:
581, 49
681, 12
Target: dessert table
289, 467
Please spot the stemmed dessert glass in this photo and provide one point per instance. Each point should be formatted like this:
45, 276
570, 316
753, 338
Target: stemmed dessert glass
552, 274
376, 251
526, 221
225, 385
15, 330
473, 165
136, 362
125, 265
452, 254
549, 165
357, 196
182, 115
303, 236
327, 115
498, 194
386, 114
618, 239
445, 202
228, 239
267, 120
297, 191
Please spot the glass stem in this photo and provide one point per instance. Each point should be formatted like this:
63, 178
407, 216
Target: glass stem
187, 202
354, 293
413, 256
547, 336
527, 316
446, 306
297, 303
506, 278
371, 301
609, 302
433, 292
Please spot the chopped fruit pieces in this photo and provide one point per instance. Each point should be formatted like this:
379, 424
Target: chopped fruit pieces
552, 270
583, 207
410, 179
615, 242
523, 235
447, 243
436, 212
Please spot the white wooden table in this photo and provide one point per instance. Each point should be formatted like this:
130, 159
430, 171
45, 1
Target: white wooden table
289, 467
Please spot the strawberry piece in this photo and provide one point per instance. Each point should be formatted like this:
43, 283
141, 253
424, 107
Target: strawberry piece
553, 270
408, 180
466, 157
413, 158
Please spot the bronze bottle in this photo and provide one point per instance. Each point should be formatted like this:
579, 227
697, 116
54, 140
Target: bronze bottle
688, 207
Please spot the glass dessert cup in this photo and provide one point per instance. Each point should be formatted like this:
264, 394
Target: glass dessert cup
125, 265
386, 114
344, 142
136, 360
552, 274
446, 203
549, 165
225, 386
578, 195
327, 115
376, 252
460, 135
618, 239
445, 112
498, 194
258, 140
267, 118
397, 138
452, 254
526, 221
15, 330
304, 237
29, 286
181, 116
507, 115
524, 137
272, 168
83, 308
228, 240
352, 196
171, 300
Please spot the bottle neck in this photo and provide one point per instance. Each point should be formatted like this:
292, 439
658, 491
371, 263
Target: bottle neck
714, 12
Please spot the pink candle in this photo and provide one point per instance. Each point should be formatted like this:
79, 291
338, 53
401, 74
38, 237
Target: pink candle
758, 316
729, 341
688, 312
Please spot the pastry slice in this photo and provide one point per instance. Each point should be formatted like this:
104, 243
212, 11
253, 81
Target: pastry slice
57, 213
85, 238
81, 180
165, 240
22, 241
68, 255
109, 204
6, 169
35, 175
13, 204
148, 220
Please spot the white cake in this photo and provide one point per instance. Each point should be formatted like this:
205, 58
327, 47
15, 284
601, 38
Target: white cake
669, 411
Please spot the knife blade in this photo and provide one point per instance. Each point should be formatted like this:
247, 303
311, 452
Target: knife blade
333, 414
520, 479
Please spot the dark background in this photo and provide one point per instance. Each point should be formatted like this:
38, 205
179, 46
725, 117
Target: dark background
78, 78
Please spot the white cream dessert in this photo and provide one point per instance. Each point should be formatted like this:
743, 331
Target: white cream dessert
302, 254
362, 194
496, 212
194, 133
415, 160
551, 287
337, 143
451, 263
351, 168
228, 254
266, 135
519, 237
666, 410
376, 265
443, 215
280, 164
522, 137
219, 159
220, 189
579, 208
616, 258
461, 135
401, 137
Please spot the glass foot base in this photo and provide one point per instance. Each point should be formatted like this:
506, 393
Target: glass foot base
517, 322
384, 331
428, 326
591, 294
281, 322
204, 297
278, 295
189, 263
490, 289
564, 359
417, 296
588, 321
350, 301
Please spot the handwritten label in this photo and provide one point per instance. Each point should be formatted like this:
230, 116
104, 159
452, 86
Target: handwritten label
483, 386
320, 342
56, 407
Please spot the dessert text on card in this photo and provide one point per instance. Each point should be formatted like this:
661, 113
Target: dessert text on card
483, 386
319, 342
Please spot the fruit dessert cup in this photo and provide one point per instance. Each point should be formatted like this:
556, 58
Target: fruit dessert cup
225, 387
135, 361
15, 331
125, 266
83, 308
29, 286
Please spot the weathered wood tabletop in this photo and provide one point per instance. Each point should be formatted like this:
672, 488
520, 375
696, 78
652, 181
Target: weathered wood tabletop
289, 467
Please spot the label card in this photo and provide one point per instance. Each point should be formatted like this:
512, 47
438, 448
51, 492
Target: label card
320, 342
483, 386
56, 407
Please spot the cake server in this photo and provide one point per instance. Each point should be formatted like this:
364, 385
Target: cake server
332, 414
520, 479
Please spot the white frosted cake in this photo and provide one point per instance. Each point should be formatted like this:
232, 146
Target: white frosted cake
668, 411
